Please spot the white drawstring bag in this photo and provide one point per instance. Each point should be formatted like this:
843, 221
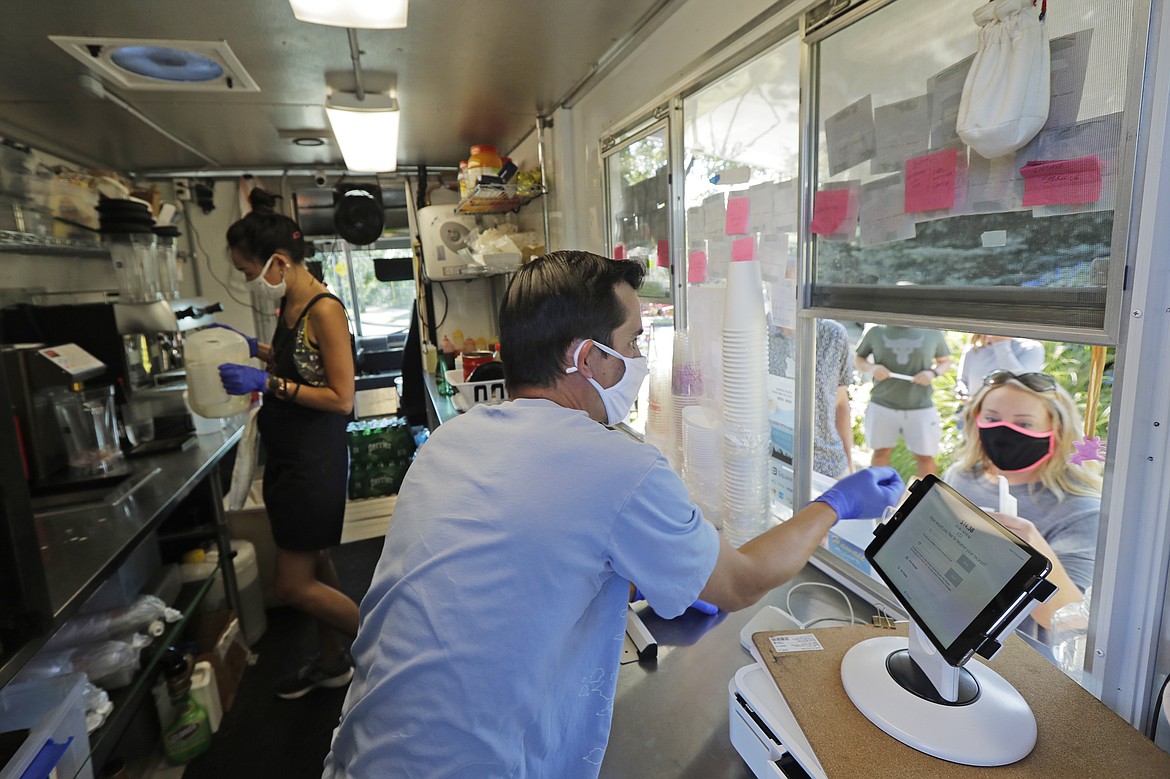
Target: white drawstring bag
1005, 97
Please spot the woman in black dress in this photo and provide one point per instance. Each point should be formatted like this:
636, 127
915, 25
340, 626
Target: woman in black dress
308, 387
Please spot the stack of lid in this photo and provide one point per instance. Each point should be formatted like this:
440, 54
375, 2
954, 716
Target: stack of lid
166, 231
124, 216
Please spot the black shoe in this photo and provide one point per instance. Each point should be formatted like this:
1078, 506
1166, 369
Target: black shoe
314, 675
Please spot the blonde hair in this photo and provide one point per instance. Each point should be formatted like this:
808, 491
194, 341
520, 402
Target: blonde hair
1055, 473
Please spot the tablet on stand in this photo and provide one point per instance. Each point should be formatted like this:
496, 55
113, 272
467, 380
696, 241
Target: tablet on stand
967, 583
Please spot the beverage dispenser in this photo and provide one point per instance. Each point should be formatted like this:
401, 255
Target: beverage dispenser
65, 430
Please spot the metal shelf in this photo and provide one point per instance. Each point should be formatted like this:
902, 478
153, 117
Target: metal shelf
497, 199
28, 243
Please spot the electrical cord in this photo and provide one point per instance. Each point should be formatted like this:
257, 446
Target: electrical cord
446, 305
1158, 699
222, 281
852, 617
832, 619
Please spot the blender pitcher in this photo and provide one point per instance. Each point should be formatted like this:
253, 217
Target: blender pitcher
88, 426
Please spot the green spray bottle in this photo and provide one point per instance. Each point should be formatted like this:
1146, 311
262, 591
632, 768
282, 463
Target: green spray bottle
189, 735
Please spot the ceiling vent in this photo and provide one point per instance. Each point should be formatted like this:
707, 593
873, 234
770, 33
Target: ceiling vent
157, 64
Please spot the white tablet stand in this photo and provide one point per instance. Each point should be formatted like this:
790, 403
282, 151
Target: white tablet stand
969, 714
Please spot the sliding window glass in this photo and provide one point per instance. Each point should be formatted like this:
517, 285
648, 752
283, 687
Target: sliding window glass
742, 138
907, 218
638, 202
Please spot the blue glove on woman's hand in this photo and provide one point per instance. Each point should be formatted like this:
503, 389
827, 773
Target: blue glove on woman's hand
242, 379
253, 343
864, 494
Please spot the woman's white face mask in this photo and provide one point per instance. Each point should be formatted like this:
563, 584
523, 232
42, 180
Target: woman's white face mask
262, 288
619, 398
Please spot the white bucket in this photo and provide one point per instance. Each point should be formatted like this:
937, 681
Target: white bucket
252, 614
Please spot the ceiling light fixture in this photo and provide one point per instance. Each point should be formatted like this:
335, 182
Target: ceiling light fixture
365, 130
305, 140
368, 14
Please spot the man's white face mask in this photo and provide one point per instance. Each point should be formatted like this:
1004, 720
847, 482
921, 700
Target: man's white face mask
619, 398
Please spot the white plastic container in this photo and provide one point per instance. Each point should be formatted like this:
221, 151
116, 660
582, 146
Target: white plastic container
252, 614
50, 709
203, 352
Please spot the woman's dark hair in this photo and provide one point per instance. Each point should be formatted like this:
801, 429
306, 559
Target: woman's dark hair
263, 231
554, 300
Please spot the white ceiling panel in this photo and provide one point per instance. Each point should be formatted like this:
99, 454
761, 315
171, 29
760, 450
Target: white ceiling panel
466, 71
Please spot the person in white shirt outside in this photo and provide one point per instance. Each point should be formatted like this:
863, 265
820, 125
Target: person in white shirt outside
491, 634
986, 353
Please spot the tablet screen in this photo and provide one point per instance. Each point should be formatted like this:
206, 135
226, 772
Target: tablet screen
950, 563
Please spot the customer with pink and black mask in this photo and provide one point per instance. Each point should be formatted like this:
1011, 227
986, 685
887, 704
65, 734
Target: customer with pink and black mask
1022, 426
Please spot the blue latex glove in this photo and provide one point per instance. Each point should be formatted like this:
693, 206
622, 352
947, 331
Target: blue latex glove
242, 379
864, 494
698, 605
253, 343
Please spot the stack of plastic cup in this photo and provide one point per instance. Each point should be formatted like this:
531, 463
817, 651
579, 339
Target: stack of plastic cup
686, 387
701, 471
658, 415
746, 432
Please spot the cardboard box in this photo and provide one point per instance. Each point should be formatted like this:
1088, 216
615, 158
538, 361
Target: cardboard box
221, 643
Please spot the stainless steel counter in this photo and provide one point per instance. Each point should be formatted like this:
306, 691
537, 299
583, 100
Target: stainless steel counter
670, 717
440, 408
83, 545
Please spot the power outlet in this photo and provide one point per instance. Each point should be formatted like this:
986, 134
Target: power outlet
182, 189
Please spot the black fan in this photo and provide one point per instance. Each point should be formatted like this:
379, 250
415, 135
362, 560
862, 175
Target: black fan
357, 213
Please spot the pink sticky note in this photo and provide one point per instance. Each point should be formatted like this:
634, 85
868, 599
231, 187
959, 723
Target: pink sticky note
619, 251
1062, 182
830, 207
738, 211
743, 249
696, 267
930, 181
663, 253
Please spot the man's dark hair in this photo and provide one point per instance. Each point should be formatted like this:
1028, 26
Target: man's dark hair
554, 300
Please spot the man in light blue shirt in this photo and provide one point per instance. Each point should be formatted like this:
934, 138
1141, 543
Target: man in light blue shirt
492, 630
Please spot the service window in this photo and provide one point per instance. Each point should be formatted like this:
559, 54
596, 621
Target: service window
907, 219
1034, 412
742, 139
638, 207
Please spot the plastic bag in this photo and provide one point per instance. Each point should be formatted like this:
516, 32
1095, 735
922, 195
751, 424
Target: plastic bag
245, 467
108, 664
147, 614
1068, 632
98, 706
1006, 94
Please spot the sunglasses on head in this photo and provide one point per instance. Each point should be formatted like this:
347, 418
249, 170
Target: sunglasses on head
1037, 382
